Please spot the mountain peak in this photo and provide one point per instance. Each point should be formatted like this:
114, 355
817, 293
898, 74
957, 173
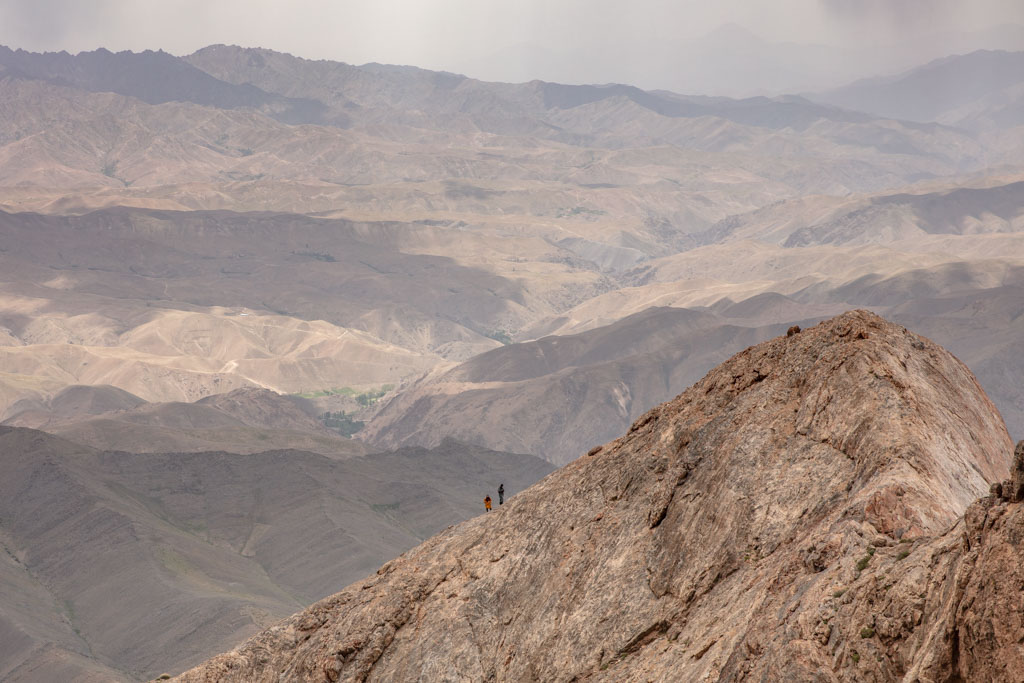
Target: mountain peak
763, 492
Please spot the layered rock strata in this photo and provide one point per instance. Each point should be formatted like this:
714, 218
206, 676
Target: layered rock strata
798, 514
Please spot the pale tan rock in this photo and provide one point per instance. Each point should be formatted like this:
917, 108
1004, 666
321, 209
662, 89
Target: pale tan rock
795, 515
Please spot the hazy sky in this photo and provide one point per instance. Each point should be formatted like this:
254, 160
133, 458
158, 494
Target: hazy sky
642, 41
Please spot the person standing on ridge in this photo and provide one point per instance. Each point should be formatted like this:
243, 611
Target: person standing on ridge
501, 494
487, 503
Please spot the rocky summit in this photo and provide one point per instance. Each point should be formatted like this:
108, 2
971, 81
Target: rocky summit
837, 504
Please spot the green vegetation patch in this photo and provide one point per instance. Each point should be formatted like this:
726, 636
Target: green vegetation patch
342, 423
370, 397
500, 336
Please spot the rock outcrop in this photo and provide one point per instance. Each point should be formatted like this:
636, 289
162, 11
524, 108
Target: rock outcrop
1012, 489
798, 514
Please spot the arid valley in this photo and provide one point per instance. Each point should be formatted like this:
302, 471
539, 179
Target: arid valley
267, 323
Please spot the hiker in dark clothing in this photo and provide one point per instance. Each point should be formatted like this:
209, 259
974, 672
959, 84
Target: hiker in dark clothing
501, 494
487, 503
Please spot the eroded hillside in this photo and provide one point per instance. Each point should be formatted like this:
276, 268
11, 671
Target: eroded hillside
120, 565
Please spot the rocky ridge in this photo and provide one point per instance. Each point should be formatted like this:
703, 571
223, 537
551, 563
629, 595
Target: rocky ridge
804, 512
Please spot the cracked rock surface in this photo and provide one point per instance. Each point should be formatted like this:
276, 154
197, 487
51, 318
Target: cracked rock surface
798, 514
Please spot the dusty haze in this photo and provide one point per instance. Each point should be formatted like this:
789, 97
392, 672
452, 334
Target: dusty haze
734, 47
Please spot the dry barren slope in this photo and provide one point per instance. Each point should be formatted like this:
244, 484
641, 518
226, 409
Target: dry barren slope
750, 528
558, 396
174, 307
964, 206
314, 269
140, 563
248, 420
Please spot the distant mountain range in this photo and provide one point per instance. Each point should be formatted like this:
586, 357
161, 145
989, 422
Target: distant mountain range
255, 252
733, 60
978, 91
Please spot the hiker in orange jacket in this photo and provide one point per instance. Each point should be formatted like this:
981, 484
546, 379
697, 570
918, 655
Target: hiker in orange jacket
487, 503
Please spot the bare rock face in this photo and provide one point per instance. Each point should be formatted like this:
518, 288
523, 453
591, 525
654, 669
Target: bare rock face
798, 514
